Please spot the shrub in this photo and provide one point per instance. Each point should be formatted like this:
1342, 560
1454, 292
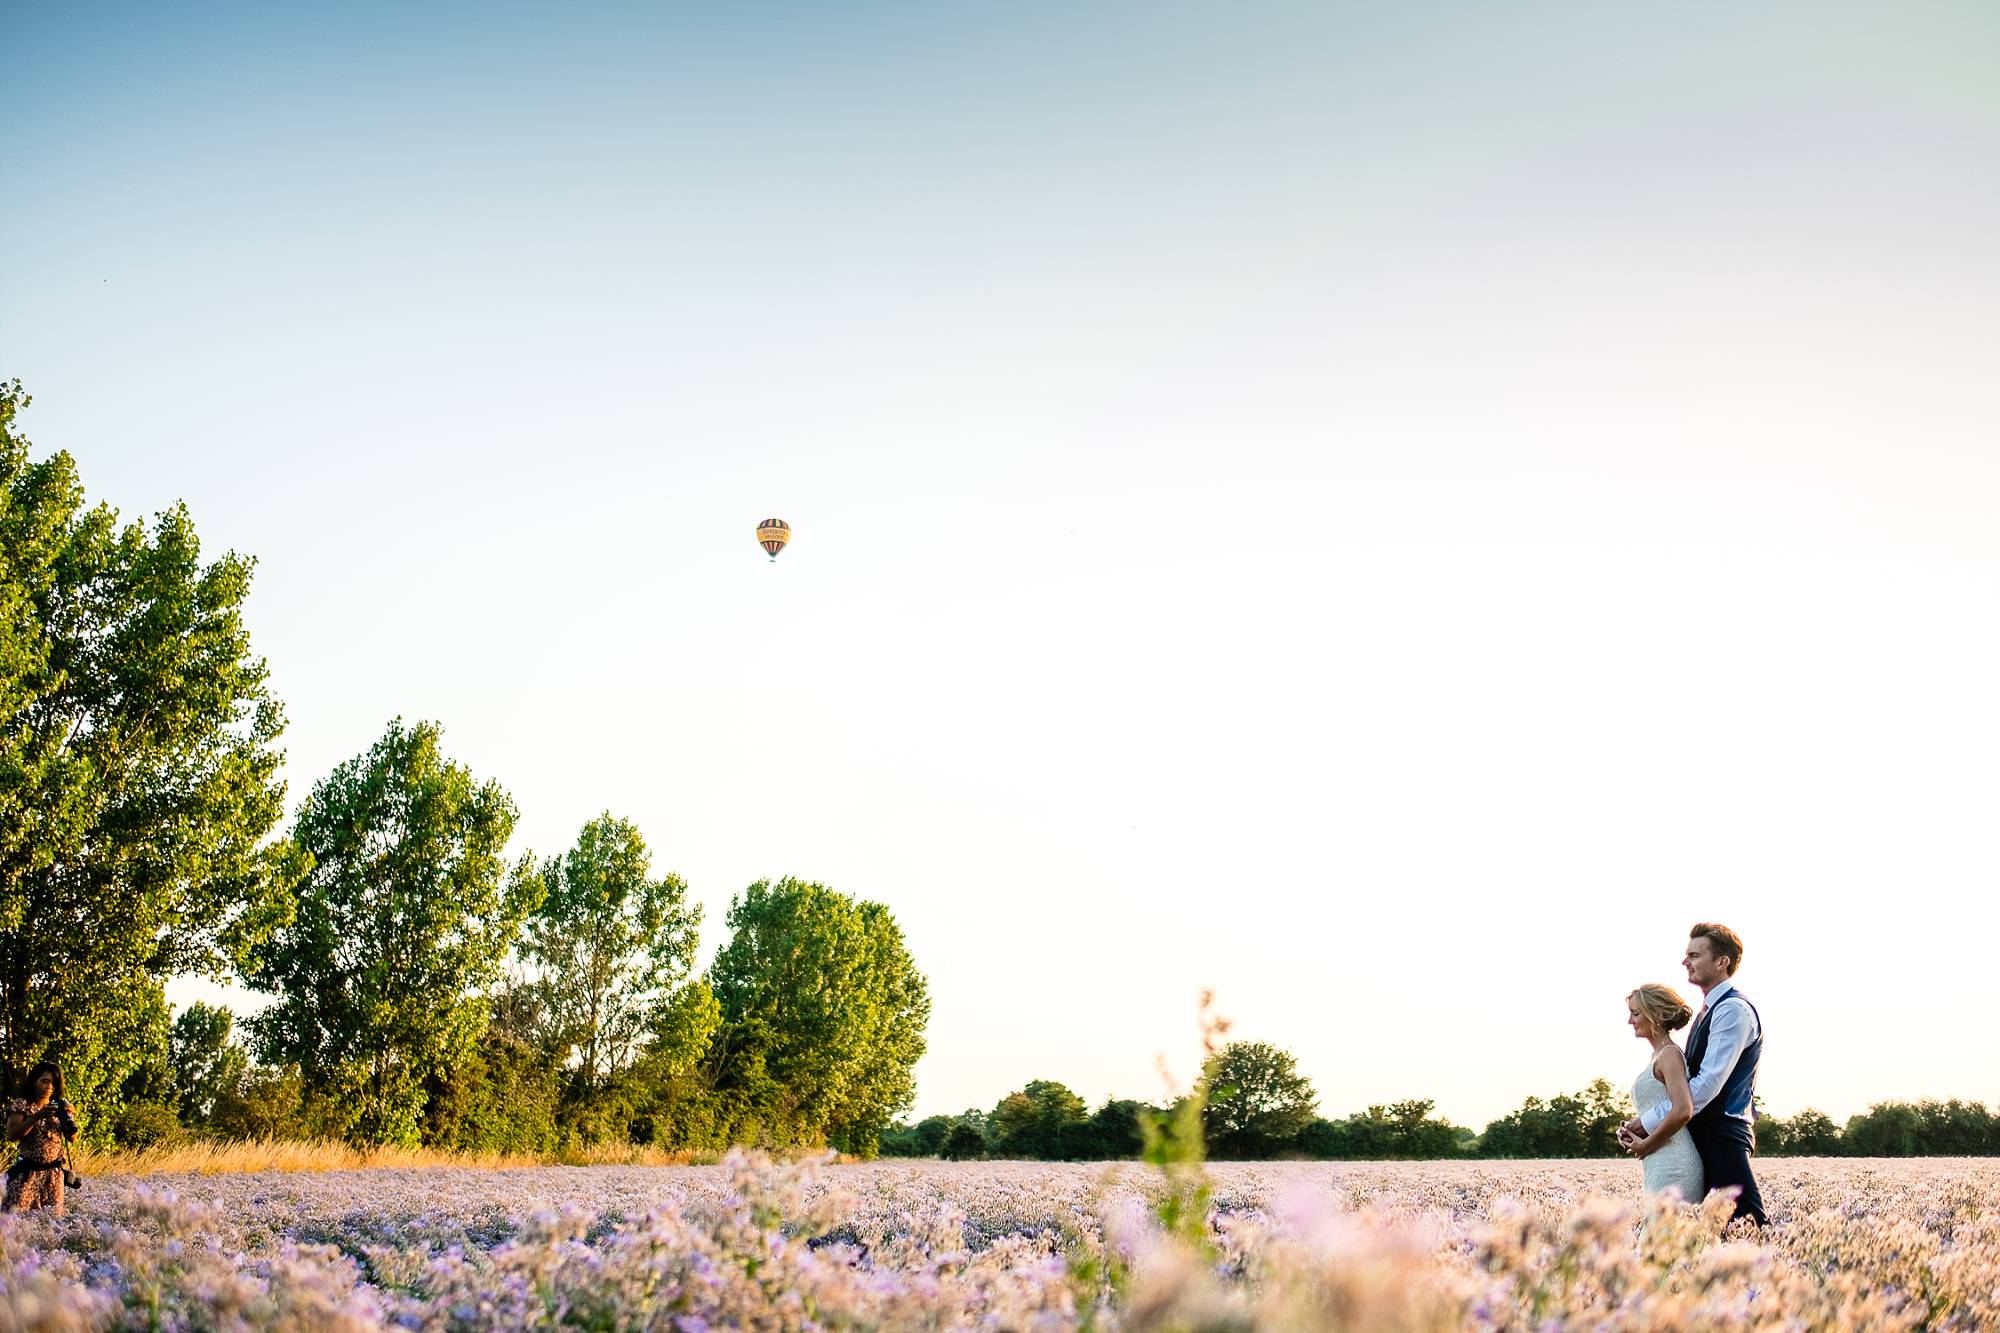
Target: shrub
1404, 1131
964, 1143
923, 1139
145, 1125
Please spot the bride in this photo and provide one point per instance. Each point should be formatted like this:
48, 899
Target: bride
1671, 1159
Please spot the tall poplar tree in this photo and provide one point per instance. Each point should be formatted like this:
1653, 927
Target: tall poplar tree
403, 921
138, 774
612, 947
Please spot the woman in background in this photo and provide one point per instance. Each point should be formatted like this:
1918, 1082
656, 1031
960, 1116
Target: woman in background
42, 1123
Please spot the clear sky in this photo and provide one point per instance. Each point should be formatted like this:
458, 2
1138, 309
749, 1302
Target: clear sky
1390, 512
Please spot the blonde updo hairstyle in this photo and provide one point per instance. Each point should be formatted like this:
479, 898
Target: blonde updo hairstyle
1663, 1005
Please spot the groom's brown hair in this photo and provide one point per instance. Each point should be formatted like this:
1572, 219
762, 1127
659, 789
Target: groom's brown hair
1726, 942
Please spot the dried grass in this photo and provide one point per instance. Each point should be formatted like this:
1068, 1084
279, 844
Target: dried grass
211, 1158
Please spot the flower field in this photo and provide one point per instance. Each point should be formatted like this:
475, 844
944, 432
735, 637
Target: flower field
924, 1245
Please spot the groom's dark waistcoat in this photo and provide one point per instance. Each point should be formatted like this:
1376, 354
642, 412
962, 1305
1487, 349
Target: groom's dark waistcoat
1739, 1093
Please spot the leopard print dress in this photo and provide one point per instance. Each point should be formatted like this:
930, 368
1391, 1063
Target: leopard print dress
36, 1189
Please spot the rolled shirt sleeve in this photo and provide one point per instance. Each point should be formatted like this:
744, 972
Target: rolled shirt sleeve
1728, 1034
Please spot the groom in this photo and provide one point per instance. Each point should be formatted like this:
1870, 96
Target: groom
1722, 1053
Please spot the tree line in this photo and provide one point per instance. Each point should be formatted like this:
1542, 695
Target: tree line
428, 989
1254, 1104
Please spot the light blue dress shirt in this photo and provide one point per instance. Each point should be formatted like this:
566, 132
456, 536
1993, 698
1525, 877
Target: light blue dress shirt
1733, 1027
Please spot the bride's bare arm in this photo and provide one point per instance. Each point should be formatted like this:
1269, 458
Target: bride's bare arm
1671, 1066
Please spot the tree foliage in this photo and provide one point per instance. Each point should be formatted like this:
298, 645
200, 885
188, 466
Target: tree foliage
505, 1096
402, 923
1039, 1121
962, 1143
1255, 1101
1402, 1131
923, 1139
138, 772
819, 997
1583, 1124
611, 947
1919, 1129
208, 1065
1810, 1133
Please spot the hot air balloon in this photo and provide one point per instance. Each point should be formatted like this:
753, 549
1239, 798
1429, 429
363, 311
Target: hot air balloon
772, 534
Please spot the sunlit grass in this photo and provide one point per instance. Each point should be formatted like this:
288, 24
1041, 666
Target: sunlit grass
208, 1158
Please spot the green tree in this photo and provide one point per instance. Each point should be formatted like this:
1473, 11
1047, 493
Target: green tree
138, 774
404, 919
1924, 1129
1355, 1138
1888, 1129
1583, 1124
1810, 1133
923, 1139
150, 1082
963, 1143
504, 1096
735, 1098
1403, 1131
1040, 1121
822, 989
1957, 1129
145, 1125
208, 1065
1112, 1133
267, 1104
1605, 1108
612, 947
667, 1087
1255, 1101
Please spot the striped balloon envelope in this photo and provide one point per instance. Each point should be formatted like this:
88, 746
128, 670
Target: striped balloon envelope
772, 534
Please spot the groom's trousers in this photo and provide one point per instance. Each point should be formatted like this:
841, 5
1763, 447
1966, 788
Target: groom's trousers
1725, 1143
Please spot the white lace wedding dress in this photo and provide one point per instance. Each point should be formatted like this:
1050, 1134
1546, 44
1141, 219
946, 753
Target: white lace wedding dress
1677, 1164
